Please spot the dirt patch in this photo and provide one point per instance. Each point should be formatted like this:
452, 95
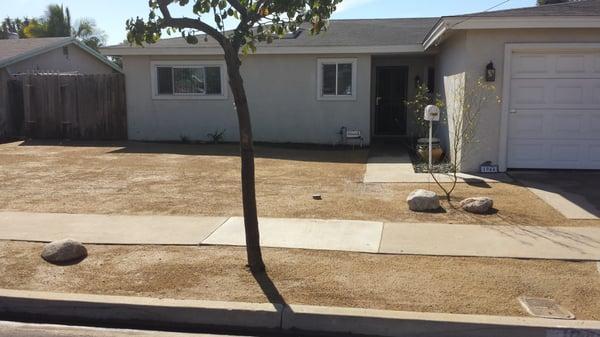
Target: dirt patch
179, 179
411, 283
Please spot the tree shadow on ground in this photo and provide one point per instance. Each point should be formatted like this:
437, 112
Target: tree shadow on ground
268, 287
297, 152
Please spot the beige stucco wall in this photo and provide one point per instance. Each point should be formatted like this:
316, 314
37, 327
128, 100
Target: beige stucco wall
450, 66
56, 60
282, 93
471, 51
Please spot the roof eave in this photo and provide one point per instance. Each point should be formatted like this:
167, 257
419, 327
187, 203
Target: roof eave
448, 24
97, 55
408, 48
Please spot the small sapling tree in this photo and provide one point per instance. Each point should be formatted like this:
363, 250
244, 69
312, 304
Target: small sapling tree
255, 21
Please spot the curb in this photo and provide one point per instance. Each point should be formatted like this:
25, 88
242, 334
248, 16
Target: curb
187, 315
138, 311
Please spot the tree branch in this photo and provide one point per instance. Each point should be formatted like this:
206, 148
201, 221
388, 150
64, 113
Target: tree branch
239, 7
181, 23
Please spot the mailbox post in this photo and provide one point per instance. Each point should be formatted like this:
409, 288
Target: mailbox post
432, 114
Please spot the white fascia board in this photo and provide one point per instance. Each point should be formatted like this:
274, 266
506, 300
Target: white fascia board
414, 48
436, 34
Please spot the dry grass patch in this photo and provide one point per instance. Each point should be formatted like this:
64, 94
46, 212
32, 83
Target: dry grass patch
139, 178
411, 283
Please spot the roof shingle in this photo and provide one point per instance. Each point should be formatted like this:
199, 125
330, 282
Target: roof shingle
10, 49
360, 32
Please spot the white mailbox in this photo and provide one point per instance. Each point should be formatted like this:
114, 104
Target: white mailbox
432, 113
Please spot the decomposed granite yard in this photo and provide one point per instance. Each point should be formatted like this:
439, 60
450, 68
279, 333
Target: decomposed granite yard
407, 283
183, 179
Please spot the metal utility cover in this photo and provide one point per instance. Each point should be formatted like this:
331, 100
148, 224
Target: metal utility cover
544, 308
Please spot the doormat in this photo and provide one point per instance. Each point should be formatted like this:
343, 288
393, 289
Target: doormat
544, 308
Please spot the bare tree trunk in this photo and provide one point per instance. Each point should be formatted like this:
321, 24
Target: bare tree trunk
255, 261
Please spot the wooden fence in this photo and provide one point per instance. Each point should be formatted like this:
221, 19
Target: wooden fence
15, 116
73, 106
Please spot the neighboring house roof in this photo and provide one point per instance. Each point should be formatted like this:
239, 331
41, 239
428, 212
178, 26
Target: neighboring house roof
574, 8
17, 50
391, 35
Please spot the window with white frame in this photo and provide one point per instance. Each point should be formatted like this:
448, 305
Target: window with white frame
336, 79
188, 80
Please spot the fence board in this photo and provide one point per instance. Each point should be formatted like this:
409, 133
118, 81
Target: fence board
74, 106
16, 110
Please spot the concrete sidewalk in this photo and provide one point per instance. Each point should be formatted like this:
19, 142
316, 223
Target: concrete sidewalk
561, 243
107, 229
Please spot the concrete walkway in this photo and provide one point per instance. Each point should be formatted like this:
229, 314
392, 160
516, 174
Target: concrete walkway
576, 195
398, 168
561, 243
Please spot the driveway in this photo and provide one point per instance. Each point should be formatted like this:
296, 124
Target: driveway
575, 194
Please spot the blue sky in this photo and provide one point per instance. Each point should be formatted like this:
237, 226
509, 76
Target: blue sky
110, 15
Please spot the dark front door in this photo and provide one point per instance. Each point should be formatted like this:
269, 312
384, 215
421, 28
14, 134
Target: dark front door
390, 101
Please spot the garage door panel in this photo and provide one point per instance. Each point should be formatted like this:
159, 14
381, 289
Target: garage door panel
568, 94
527, 125
566, 126
539, 154
594, 154
555, 110
594, 124
524, 65
565, 65
570, 64
528, 94
555, 93
568, 154
549, 124
596, 94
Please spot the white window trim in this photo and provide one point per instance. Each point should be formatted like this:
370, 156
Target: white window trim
179, 64
323, 61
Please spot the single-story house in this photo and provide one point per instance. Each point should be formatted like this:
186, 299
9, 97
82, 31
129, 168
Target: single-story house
359, 73
42, 55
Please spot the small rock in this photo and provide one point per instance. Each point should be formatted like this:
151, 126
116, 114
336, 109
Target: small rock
64, 251
423, 200
479, 205
317, 197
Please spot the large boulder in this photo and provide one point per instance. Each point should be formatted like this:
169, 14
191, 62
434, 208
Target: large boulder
64, 251
478, 205
423, 201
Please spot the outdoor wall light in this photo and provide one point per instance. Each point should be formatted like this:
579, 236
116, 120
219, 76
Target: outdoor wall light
490, 72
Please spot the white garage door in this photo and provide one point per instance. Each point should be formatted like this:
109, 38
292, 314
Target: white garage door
554, 111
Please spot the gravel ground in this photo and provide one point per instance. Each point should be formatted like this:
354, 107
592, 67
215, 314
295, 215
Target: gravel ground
180, 179
411, 283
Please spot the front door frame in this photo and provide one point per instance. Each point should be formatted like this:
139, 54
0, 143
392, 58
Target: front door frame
375, 70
